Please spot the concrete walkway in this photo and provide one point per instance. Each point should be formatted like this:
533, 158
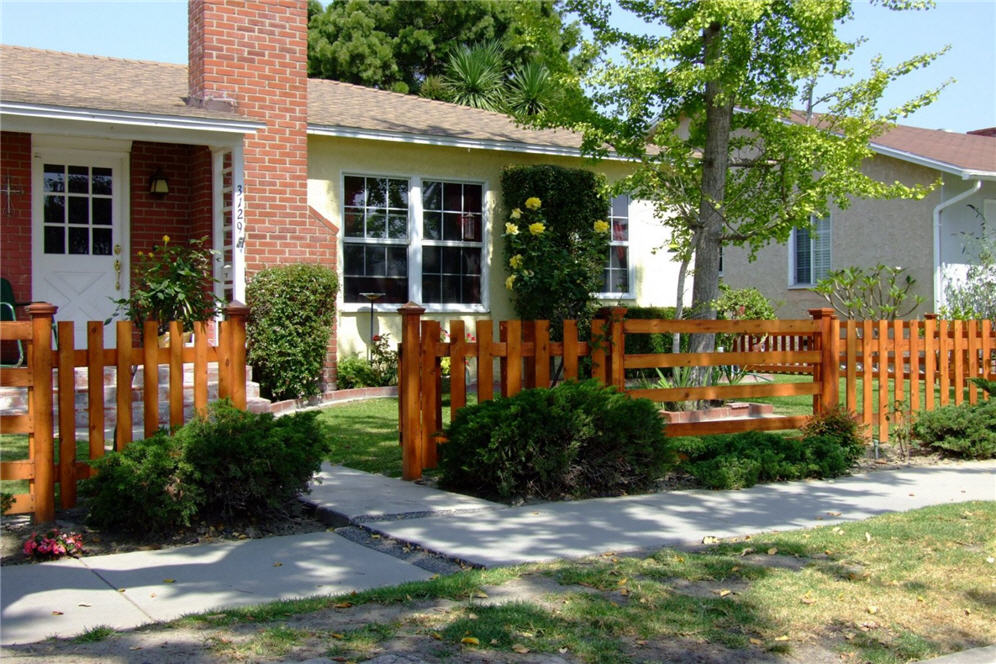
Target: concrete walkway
125, 590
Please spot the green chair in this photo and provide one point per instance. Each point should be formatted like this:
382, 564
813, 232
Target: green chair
8, 313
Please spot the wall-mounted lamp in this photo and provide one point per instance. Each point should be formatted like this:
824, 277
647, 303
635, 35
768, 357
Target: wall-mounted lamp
158, 184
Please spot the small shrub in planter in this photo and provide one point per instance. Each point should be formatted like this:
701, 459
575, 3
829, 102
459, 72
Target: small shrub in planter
965, 431
244, 463
144, 488
380, 371
576, 439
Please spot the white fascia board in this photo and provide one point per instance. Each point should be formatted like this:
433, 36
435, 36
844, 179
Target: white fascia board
42, 111
450, 141
964, 174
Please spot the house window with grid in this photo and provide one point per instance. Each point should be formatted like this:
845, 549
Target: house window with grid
810, 253
616, 276
413, 239
452, 242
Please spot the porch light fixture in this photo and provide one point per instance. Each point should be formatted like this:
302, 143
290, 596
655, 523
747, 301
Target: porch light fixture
373, 297
158, 184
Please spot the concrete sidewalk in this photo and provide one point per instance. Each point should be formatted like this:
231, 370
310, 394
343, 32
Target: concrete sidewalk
66, 597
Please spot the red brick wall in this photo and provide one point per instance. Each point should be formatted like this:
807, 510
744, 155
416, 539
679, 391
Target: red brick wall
252, 56
15, 227
155, 215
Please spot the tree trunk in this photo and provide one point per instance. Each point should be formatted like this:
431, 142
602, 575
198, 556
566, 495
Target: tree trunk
715, 161
679, 304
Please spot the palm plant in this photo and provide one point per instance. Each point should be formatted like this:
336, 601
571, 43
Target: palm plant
475, 77
530, 90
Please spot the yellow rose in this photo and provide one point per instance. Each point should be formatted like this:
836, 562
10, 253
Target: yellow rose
515, 261
511, 229
165, 239
601, 226
509, 282
533, 203
516, 213
537, 228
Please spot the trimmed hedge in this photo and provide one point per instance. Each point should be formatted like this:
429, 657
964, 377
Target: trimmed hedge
291, 313
574, 440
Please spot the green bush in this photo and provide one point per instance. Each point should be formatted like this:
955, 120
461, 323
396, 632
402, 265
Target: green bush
354, 371
742, 460
144, 488
291, 313
841, 425
380, 371
230, 464
576, 439
966, 430
249, 462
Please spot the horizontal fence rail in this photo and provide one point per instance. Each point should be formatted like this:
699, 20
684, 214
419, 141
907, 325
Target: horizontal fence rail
50, 381
527, 357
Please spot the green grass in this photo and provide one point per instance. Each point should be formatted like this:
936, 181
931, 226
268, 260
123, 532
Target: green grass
890, 589
14, 447
95, 634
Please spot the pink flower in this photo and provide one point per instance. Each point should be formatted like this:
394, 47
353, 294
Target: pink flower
29, 546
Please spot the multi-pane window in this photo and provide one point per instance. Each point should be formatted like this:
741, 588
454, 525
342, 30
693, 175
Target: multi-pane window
811, 252
452, 233
382, 216
77, 202
375, 238
616, 273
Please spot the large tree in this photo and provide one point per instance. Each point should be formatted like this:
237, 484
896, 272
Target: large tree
397, 45
716, 101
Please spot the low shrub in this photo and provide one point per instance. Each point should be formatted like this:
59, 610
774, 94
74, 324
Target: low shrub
841, 425
244, 463
291, 313
144, 488
354, 371
741, 460
966, 430
380, 371
576, 439
230, 464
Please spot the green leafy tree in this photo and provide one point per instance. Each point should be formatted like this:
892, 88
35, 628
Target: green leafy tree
399, 45
706, 98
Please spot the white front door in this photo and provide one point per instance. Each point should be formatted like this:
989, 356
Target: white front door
79, 249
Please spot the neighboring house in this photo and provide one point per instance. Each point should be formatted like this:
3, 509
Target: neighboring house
928, 237
273, 168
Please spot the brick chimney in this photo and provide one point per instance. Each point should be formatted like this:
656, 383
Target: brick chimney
251, 57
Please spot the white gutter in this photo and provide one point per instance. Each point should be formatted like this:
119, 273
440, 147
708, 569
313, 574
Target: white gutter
938, 276
450, 141
235, 126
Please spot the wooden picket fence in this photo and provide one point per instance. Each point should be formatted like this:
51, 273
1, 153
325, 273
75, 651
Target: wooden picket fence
47, 367
524, 350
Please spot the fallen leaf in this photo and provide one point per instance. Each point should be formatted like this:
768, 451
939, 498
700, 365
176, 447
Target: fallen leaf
756, 642
437, 636
494, 642
152, 594
470, 641
722, 593
57, 613
968, 612
744, 552
121, 590
375, 536
868, 537
783, 637
169, 580
562, 651
735, 568
278, 564
833, 513
480, 594
772, 551
641, 642
84, 605
808, 600
622, 581
709, 539
872, 610
920, 598
135, 648
519, 648
343, 605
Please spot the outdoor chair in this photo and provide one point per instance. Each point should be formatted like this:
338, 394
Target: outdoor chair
8, 312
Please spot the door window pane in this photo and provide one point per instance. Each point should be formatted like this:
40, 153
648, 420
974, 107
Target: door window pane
101, 211
79, 210
79, 240
55, 210
101, 182
55, 240
54, 178
102, 241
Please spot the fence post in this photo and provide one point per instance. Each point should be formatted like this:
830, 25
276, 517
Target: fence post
237, 313
41, 409
410, 389
827, 373
617, 348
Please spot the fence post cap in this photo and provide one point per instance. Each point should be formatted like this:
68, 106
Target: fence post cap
236, 308
411, 309
822, 312
36, 309
930, 316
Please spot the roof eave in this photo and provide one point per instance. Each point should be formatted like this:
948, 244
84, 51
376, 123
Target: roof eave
339, 131
963, 173
52, 112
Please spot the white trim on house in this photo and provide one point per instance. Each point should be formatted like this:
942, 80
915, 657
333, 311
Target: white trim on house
47, 112
449, 141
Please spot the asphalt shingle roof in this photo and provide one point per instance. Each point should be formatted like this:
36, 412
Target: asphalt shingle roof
73, 80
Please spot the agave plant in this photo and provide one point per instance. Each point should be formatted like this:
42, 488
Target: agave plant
530, 90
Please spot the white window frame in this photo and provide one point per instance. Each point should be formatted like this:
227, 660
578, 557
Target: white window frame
415, 242
630, 293
815, 237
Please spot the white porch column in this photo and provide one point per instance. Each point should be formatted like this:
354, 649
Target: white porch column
238, 225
